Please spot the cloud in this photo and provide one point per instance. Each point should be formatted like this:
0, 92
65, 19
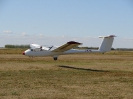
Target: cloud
41, 35
24, 34
7, 31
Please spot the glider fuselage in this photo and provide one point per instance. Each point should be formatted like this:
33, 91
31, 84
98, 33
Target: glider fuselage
41, 53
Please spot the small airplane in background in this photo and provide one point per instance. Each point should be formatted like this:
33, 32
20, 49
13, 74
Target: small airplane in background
42, 51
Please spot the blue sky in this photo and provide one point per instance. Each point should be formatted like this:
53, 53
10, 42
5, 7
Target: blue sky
57, 21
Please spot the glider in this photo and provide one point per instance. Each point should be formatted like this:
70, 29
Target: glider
42, 51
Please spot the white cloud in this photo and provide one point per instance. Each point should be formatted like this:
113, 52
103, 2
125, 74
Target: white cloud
7, 31
41, 34
24, 34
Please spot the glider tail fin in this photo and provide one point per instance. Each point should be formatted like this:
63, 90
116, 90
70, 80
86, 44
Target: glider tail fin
106, 43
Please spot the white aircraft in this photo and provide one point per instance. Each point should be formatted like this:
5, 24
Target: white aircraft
40, 51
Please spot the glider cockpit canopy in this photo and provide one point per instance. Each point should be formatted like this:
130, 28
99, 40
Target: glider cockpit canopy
36, 47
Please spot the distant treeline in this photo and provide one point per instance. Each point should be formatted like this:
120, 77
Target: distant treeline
124, 49
95, 48
117, 49
17, 46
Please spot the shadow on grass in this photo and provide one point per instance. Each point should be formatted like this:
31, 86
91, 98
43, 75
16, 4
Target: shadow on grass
94, 70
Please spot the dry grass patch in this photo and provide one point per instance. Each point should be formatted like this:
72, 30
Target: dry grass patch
83, 76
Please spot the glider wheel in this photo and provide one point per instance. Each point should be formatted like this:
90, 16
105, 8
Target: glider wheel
55, 58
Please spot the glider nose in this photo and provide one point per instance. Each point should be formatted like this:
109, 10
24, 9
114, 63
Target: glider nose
23, 53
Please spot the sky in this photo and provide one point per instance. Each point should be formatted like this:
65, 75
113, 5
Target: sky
55, 22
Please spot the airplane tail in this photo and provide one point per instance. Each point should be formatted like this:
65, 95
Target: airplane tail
106, 43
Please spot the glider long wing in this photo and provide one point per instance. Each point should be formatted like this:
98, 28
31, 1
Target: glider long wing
67, 46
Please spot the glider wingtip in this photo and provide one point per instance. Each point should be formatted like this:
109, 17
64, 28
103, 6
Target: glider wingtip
73, 42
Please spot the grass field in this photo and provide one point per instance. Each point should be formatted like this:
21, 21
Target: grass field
77, 76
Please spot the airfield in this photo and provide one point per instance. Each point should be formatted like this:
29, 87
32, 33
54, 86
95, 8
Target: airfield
75, 76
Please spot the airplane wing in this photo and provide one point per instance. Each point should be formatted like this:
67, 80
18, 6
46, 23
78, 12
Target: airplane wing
67, 46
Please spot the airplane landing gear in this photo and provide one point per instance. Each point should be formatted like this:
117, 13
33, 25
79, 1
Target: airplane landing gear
55, 58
